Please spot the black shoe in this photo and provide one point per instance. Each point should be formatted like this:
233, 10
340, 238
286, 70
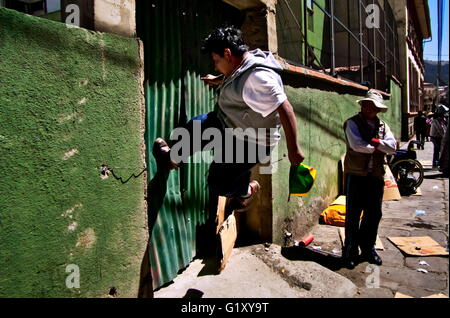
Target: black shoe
372, 257
161, 152
349, 263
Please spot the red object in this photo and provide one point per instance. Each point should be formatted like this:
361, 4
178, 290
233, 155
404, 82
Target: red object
376, 141
306, 240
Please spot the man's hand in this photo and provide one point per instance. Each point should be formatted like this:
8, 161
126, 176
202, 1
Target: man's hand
296, 157
288, 121
375, 142
212, 80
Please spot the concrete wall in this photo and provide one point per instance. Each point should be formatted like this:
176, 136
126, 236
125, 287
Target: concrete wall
116, 16
320, 117
70, 100
109, 16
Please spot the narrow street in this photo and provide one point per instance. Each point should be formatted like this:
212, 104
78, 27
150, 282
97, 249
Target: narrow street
398, 272
274, 272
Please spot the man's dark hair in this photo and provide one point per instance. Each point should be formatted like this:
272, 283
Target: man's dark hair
223, 38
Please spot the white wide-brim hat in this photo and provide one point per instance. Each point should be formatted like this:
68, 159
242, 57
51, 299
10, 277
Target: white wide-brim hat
376, 98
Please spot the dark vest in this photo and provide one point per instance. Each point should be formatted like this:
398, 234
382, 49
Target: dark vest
357, 163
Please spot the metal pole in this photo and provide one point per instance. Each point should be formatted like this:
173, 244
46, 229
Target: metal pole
333, 57
349, 58
385, 46
305, 32
361, 62
375, 55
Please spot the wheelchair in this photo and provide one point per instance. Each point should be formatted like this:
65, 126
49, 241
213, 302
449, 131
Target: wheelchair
406, 169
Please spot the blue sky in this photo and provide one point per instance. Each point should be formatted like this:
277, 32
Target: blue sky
431, 48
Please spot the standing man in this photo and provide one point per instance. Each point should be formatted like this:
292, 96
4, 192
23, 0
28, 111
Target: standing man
368, 139
251, 97
420, 126
437, 132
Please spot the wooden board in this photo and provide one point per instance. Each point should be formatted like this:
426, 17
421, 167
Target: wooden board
228, 235
220, 216
419, 246
226, 230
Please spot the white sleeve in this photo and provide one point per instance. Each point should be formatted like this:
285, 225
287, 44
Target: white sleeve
355, 140
263, 92
388, 144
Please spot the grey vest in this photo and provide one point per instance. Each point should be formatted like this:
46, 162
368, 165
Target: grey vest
233, 112
357, 163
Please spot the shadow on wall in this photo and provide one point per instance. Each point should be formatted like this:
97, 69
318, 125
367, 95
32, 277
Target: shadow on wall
158, 188
205, 247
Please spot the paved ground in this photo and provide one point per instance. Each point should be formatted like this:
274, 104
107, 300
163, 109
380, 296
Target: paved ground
275, 272
399, 272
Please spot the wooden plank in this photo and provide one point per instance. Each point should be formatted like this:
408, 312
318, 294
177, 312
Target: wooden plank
220, 215
228, 235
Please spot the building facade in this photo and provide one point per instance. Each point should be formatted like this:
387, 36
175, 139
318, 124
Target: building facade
413, 21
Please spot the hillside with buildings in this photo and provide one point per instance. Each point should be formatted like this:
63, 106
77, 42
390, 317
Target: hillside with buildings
431, 70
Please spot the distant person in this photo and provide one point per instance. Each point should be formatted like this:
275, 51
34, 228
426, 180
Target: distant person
438, 128
443, 161
420, 126
428, 126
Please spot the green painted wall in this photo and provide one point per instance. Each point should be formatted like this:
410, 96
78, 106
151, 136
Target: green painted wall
291, 40
70, 99
320, 117
315, 34
394, 116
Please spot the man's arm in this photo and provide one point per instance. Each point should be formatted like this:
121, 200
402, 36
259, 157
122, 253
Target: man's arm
212, 80
387, 145
289, 123
358, 144
355, 140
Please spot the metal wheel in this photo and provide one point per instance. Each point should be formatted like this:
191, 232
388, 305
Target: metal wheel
408, 170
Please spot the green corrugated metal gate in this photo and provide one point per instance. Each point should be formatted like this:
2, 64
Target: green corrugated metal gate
172, 31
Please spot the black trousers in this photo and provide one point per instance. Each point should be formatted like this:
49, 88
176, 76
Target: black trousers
420, 136
364, 193
436, 149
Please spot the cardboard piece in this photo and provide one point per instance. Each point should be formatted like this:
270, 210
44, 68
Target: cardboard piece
220, 215
228, 235
419, 192
226, 231
419, 246
339, 201
378, 244
391, 192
